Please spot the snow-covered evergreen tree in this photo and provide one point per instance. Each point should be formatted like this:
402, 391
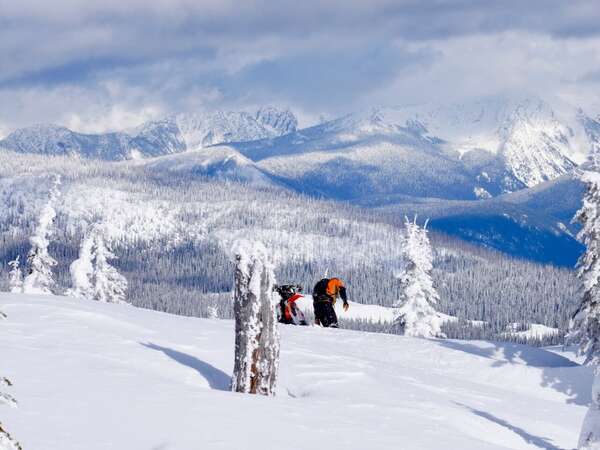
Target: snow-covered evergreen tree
108, 284
416, 315
256, 329
39, 279
15, 276
82, 270
212, 312
584, 328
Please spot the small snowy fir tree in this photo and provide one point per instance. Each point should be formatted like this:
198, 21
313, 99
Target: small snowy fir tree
109, 285
39, 279
212, 312
82, 270
15, 276
7, 442
584, 328
256, 332
416, 314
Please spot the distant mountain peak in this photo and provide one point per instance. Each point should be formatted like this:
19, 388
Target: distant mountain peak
280, 121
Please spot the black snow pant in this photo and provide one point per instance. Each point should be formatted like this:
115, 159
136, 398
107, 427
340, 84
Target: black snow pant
325, 313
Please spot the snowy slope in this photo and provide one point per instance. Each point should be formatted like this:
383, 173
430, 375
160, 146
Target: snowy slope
97, 376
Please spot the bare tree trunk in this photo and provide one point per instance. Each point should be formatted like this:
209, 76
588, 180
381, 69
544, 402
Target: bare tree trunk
256, 329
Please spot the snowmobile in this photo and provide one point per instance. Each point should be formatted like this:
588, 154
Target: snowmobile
288, 312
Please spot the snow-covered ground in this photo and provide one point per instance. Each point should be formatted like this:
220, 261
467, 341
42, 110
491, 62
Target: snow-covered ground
373, 313
97, 376
533, 331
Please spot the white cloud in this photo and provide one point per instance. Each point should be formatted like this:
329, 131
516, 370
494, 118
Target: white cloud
513, 62
96, 65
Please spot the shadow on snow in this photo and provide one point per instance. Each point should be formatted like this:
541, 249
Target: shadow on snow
538, 441
216, 378
558, 373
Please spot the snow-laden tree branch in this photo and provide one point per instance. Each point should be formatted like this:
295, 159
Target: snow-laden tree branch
256, 330
416, 315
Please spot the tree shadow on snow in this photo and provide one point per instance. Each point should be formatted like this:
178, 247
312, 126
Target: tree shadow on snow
217, 379
509, 353
538, 441
557, 371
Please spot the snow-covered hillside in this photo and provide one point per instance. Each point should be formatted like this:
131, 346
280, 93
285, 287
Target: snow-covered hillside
219, 162
97, 376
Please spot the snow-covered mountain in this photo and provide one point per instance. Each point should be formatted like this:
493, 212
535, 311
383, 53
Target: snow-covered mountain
155, 380
203, 130
460, 151
155, 138
535, 141
474, 150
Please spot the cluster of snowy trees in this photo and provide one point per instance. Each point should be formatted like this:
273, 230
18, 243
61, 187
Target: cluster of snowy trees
93, 277
39, 279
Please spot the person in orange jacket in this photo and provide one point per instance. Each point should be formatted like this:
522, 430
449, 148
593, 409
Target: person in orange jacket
325, 294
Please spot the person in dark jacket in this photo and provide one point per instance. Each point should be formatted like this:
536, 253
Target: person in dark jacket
325, 294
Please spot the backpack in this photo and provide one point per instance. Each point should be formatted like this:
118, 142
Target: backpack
320, 288
287, 290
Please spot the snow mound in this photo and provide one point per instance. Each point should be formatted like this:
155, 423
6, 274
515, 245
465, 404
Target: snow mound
98, 376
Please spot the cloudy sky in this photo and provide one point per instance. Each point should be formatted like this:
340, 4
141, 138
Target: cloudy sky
106, 64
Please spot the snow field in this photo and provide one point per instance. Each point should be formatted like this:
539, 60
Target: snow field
100, 376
